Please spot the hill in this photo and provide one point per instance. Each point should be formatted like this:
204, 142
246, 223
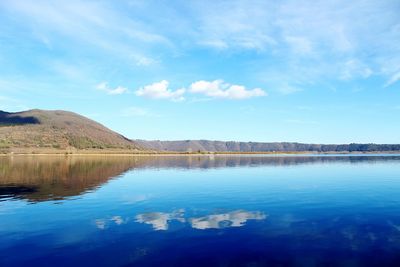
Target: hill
45, 131
248, 147
60, 130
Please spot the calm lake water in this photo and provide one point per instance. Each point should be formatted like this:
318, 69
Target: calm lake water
200, 211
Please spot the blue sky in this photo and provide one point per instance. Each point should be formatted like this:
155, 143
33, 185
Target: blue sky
306, 71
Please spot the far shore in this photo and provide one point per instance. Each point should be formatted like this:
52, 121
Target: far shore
90, 152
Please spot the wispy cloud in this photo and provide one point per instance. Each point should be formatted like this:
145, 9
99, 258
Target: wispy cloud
234, 25
321, 41
287, 47
92, 25
299, 44
287, 89
353, 68
393, 79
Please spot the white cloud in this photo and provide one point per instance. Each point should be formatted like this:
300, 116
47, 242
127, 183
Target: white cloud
160, 90
143, 61
220, 89
103, 86
118, 90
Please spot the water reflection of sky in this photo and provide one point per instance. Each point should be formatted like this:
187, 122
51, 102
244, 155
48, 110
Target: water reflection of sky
333, 210
161, 220
235, 218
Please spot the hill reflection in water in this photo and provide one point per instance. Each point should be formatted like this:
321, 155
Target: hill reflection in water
41, 178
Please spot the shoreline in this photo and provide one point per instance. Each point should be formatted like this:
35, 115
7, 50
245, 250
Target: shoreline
173, 153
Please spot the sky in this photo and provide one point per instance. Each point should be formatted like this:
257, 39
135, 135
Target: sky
298, 71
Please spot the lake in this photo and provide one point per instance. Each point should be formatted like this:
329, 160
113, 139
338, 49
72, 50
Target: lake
251, 210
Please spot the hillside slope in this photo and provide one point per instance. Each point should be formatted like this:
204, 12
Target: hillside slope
230, 146
57, 130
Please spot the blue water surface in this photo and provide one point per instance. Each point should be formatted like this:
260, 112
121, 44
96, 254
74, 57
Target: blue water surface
335, 210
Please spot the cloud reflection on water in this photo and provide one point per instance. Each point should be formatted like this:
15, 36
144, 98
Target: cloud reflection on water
237, 218
160, 220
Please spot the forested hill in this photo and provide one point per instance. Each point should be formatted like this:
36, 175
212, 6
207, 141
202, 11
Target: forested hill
231, 146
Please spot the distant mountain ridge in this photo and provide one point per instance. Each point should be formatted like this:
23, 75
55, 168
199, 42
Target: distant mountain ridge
57, 129
231, 146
